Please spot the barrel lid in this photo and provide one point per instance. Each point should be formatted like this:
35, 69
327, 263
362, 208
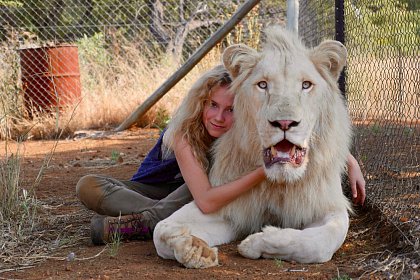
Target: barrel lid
46, 47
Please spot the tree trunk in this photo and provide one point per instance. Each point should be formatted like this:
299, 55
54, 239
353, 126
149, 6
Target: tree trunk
174, 45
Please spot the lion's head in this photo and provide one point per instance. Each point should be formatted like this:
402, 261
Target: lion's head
290, 94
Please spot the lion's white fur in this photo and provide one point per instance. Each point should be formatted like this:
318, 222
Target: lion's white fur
329, 140
302, 205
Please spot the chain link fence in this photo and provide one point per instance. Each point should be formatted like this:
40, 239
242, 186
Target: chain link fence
382, 88
51, 48
383, 77
57, 44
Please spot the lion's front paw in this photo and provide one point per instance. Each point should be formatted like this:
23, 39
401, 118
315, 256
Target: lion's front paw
250, 246
197, 254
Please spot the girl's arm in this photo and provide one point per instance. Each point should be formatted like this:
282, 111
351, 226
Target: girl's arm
210, 199
356, 180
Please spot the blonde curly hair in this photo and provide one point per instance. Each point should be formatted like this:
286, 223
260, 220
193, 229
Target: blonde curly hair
187, 120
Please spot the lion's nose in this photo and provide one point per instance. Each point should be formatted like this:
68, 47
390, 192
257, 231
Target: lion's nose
284, 124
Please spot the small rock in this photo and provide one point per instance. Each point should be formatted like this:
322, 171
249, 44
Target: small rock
71, 256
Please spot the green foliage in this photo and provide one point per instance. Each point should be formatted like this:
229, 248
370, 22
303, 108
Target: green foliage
14, 4
115, 239
376, 128
247, 31
17, 205
383, 27
412, 5
93, 56
114, 244
364, 158
93, 50
11, 101
408, 131
279, 262
10, 195
162, 118
115, 155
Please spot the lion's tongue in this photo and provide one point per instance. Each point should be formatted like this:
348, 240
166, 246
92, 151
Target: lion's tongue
284, 149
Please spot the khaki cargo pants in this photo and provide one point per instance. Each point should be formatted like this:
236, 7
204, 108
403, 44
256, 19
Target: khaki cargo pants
112, 197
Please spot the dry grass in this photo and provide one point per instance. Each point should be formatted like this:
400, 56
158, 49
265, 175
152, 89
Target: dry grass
27, 230
33, 241
383, 252
115, 94
115, 80
111, 91
383, 89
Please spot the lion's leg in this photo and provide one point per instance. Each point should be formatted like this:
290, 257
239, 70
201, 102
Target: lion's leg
188, 236
315, 244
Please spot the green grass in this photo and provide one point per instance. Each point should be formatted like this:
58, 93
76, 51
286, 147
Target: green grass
278, 262
162, 118
114, 245
114, 155
28, 230
115, 241
376, 128
16, 203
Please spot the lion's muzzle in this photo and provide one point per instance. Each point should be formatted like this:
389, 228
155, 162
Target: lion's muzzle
284, 152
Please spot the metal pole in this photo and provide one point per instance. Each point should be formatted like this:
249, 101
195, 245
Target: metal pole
189, 64
340, 36
293, 15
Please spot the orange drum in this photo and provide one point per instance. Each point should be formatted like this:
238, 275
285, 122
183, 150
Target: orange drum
50, 77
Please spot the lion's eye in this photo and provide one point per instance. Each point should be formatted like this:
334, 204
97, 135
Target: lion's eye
306, 84
262, 85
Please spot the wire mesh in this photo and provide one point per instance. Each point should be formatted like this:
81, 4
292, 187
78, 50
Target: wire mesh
382, 89
383, 79
48, 34
316, 21
40, 38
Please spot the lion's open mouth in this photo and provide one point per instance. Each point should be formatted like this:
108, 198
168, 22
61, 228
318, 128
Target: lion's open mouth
284, 152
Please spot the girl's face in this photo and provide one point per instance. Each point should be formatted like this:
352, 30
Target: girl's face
218, 112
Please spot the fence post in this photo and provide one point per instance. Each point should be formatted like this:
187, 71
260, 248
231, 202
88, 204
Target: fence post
189, 64
293, 15
340, 36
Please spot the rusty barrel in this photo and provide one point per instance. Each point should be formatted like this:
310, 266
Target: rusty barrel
50, 77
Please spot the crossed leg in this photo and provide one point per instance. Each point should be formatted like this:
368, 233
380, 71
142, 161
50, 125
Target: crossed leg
188, 236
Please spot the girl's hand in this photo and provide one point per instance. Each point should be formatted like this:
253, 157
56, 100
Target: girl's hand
357, 182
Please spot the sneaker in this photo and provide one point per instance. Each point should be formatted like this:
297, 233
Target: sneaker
103, 229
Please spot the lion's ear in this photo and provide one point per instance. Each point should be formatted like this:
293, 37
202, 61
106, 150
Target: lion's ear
238, 58
331, 55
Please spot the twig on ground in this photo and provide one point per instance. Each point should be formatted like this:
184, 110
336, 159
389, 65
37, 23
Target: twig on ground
15, 269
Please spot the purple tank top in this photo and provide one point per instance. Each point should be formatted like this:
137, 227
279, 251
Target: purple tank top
154, 169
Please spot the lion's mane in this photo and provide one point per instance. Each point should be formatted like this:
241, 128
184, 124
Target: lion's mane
285, 203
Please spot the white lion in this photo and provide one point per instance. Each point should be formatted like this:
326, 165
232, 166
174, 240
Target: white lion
291, 117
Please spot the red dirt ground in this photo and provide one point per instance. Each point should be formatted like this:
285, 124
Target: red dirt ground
74, 158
